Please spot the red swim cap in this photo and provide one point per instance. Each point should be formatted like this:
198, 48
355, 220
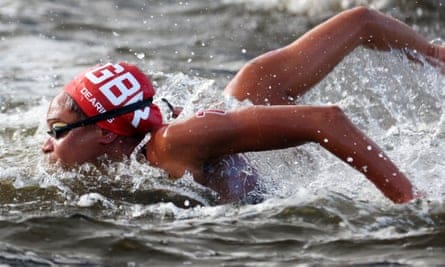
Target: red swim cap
111, 86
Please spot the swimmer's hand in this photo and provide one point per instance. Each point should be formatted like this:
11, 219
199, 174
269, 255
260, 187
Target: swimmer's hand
436, 57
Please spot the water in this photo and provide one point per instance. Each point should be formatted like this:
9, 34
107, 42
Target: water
317, 210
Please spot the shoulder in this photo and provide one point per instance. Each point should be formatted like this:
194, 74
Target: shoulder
167, 150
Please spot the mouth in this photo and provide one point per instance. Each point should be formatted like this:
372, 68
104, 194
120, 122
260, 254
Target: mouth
54, 162
50, 159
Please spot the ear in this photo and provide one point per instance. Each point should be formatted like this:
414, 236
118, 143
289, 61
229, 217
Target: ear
107, 137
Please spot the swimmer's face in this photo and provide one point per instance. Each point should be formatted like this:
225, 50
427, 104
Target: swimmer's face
76, 146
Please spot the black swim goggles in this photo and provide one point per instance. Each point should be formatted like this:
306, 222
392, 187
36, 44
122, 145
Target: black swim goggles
58, 131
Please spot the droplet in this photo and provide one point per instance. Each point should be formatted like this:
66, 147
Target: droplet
325, 140
349, 159
139, 55
365, 169
369, 148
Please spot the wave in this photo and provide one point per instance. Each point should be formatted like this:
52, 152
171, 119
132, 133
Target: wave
328, 7
308, 7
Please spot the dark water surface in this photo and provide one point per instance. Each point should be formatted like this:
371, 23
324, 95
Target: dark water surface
318, 212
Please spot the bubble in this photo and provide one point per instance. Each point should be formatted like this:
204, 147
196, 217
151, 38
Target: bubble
349, 159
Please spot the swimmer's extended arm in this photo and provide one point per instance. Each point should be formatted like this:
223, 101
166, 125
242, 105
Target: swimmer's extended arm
291, 71
186, 144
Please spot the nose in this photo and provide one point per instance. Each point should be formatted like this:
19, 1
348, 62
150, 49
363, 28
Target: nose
48, 146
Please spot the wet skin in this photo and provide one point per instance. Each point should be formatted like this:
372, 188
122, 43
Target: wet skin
76, 146
274, 78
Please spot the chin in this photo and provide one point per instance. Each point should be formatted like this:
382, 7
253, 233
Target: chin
53, 161
66, 164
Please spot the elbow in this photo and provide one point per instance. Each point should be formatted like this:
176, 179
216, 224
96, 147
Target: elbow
329, 119
362, 16
362, 13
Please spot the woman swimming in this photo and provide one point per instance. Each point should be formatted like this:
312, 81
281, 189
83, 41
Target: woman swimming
108, 110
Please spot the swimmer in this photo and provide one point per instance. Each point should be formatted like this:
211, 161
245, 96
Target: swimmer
108, 109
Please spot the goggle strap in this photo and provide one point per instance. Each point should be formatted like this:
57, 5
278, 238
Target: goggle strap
170, 106
111, 114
